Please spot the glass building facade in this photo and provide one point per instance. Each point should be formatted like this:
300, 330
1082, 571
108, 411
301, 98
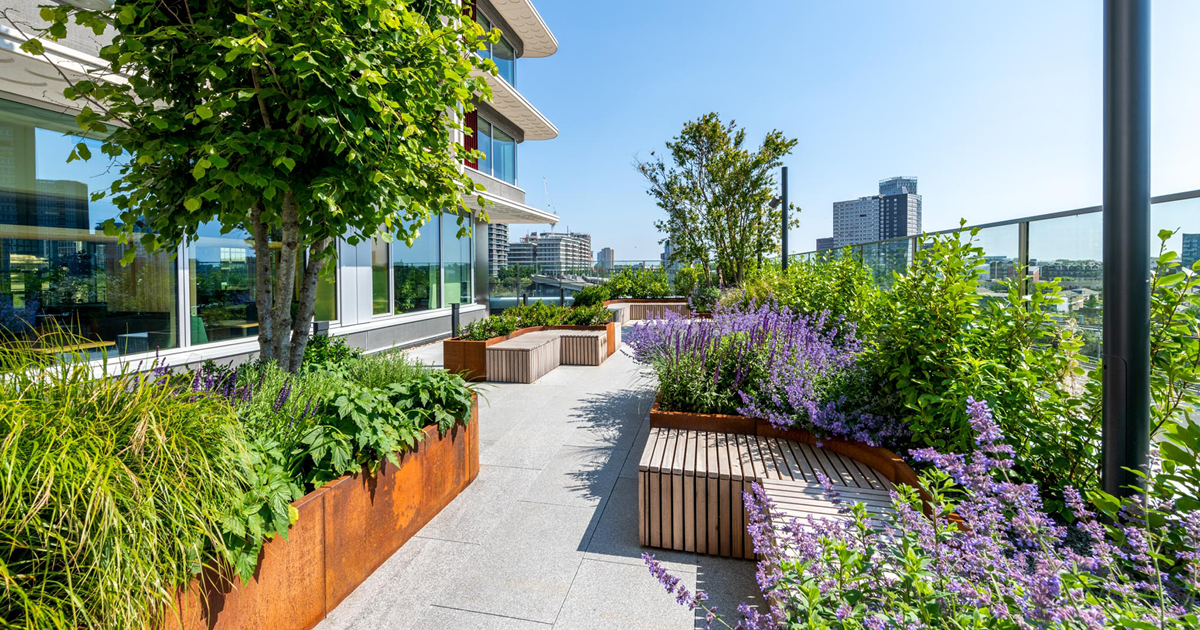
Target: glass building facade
60, 272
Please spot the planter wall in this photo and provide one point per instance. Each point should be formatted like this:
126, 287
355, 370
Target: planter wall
881, 459
345, 531
469, 358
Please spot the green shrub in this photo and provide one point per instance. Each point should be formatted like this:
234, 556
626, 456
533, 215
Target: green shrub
705, 298
536, 314
643, 283
326, 351
686, 280
841, 285
939, 343
115, 491
591, 295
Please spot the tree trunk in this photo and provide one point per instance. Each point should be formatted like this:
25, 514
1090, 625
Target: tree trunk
302, 326
263, 281
281, 315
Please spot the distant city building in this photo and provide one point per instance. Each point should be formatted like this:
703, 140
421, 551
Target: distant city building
554, 253
1191, 250
605, 259
522, 253
898, 186
893, 213
497, 248
826, 243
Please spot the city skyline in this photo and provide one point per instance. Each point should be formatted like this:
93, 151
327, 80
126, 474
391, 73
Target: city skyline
982, 110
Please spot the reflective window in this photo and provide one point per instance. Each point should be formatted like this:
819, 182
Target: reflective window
506, 60
456, 260
415, 272
222, 294
484, 137
58, 271
380, 300
222, 288
504, 149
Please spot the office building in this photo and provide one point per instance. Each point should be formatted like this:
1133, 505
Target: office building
1191, 250
605, 259
497, 247
825, 243
894, 212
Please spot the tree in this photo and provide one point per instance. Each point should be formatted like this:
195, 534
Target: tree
299, 121
717, 195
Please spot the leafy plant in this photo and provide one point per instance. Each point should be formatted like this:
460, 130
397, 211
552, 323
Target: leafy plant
704, 298
687, 278
641, 283
840, 285
533, 315
938, 343
325, 351
591, 295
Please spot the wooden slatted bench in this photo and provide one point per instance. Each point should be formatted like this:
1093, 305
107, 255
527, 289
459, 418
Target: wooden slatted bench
656, 310
620, 313
524, 359
584, 347
690, 486
528, 357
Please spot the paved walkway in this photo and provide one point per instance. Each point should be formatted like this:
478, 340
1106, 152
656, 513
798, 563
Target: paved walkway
546, 536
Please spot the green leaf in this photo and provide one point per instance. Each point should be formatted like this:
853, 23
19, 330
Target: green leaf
203, 111
192, 204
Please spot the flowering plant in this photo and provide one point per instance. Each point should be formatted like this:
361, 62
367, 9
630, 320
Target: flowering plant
978, 552
765, 361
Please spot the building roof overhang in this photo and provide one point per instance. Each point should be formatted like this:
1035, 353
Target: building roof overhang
507, 211
508, 102
528, 24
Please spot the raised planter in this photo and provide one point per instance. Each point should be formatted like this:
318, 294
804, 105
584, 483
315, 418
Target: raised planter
887, 463
469, 357
346, 529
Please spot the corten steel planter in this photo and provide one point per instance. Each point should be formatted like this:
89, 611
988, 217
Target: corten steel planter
884, 461
469, 358
346, 529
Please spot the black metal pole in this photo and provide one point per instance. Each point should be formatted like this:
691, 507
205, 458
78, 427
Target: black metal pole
454, 319
785, 220
562, 295
1126, 295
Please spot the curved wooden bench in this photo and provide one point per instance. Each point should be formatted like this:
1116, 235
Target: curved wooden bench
690, 486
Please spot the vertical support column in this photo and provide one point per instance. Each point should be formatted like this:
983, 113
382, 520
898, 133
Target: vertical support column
1023, 275
1126, 336
784, 235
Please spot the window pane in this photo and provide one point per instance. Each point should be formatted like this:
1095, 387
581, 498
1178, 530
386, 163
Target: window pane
326, 307
505, 159
222, 285
456, 260
485, 145
415, 270
487, 27
380, 300
505, 58
57, 268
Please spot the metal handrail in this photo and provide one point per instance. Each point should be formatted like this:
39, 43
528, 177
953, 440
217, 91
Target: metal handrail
1191, 194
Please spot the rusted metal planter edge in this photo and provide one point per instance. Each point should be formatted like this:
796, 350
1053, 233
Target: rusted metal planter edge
345, 530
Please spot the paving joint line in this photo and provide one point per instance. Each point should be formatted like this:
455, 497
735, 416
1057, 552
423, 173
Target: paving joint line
490, 614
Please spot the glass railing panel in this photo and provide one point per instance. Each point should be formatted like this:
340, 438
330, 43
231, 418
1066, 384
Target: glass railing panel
1001, 264
1070, 250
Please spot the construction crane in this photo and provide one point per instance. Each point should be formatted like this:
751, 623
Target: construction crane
546, 188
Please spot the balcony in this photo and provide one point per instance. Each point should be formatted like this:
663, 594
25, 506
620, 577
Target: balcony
536, 38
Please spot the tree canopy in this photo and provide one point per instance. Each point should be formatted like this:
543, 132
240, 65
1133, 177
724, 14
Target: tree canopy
299, 121
717, 195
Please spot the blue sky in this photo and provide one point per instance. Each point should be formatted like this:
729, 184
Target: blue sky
994, 105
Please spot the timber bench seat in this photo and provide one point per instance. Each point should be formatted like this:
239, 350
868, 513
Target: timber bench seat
690, 486
527, 358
